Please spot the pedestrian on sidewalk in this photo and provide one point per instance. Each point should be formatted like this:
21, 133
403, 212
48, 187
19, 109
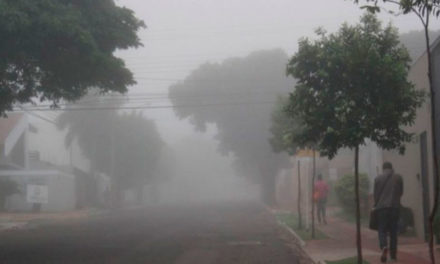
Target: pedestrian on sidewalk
388, 189
320, 197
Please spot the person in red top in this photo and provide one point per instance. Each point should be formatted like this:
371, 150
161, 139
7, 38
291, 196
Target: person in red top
320, 196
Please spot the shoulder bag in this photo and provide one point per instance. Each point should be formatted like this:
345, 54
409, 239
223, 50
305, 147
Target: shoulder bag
374, 218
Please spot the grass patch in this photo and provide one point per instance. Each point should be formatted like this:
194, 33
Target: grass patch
351, 218
291, 221
352, 260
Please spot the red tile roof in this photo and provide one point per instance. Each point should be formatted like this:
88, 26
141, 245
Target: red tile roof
8, 124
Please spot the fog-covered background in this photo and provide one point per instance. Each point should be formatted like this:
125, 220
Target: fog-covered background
207, 52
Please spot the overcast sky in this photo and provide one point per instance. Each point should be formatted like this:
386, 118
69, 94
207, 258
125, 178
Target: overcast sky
182, 34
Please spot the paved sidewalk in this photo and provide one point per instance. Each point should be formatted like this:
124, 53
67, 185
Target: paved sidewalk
341, 244
14, 221
12, 225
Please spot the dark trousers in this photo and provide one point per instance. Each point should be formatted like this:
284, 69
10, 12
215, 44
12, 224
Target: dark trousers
320, 210
388, 225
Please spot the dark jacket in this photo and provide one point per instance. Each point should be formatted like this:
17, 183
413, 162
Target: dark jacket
392, 191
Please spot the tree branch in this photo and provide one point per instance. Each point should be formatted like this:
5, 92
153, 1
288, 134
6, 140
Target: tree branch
415, 11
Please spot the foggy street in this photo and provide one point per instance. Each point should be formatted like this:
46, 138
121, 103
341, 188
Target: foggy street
219, 132
212, 233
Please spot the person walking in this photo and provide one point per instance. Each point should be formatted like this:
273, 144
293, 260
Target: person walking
388, 189
320, 197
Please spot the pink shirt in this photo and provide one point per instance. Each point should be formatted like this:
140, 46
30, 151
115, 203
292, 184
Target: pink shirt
321, 188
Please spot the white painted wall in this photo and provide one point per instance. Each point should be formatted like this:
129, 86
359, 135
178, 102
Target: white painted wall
61, 186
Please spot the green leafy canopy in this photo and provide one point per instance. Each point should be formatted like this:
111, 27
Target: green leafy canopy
58, 49
352, 85
286, 129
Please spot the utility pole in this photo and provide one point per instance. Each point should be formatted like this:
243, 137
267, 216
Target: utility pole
313, 193
114, 185
71, 155
299, 196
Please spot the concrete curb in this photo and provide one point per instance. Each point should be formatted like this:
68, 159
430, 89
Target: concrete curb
302, 243
290, 230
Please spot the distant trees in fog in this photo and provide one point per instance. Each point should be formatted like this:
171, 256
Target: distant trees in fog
125, 146
239, 95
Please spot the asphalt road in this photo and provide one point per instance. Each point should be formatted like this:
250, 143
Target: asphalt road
214, 233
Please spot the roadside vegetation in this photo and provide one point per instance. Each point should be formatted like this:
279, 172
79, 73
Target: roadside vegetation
291, 221
345, 191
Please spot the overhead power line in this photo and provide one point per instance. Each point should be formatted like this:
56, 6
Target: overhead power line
215, 80
144, 107
158, 97
39, 116
152, 99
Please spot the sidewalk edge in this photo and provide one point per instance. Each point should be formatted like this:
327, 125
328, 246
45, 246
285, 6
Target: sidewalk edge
291, 231
301, 242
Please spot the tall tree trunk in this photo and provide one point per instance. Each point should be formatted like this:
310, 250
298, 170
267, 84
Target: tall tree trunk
358, 207
434, 141
299, 196
313, 193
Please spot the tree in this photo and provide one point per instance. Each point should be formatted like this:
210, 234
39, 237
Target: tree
138, 149
238, 96
127, 147
53, 50
352, 86
425, 10
284, 129
287, 137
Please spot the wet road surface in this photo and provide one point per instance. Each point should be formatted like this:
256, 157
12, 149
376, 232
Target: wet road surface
211, 233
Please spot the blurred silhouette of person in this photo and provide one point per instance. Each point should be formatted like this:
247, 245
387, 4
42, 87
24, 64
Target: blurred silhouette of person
320, 197
388, 189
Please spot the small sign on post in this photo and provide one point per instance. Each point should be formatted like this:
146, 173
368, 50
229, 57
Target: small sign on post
37, 194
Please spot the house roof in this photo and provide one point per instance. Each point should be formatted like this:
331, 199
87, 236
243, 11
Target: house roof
8, 124
433, 45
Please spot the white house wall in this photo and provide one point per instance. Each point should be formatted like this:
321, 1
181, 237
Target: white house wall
49, 142
61, 186
15, 135
409, 165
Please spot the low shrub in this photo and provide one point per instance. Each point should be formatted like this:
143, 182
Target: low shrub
344, 189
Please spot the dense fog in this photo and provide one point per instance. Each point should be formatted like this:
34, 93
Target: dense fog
195, 131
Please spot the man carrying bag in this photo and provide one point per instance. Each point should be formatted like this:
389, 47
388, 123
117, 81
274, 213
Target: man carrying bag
388, 189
